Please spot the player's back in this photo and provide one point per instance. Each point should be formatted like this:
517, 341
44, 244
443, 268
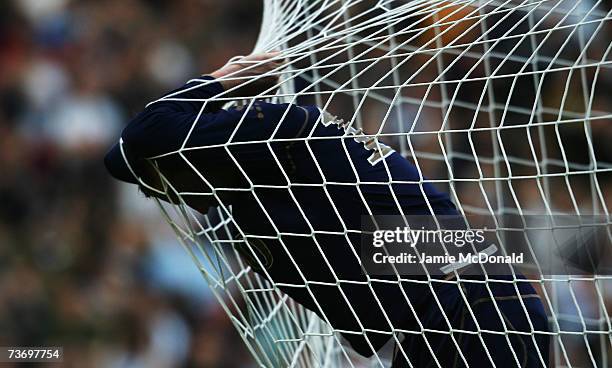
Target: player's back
323, 162
302, 216
297, 185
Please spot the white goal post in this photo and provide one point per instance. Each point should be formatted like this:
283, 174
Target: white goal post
503, 104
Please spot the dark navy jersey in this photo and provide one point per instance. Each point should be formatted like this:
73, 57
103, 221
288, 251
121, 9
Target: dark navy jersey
268, 141
297, 181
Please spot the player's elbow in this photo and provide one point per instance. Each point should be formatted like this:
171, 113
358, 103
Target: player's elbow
123, 158
156, 130
135, 134
117, 165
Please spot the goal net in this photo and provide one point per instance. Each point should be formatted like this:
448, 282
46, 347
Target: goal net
503, 104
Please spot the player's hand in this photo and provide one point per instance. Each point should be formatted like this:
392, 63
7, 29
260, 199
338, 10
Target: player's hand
247, 76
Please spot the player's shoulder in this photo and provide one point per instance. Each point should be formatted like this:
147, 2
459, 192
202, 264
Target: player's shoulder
267, 110
294, 120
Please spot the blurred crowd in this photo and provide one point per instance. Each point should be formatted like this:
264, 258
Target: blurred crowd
84, 262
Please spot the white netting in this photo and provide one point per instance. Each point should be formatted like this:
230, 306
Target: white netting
505, 105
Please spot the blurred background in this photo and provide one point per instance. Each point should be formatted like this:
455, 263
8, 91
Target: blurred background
85, 263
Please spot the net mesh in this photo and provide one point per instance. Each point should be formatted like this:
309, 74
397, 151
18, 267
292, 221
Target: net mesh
505, 105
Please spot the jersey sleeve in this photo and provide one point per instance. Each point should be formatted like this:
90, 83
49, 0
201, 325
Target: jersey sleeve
163, 125
184, 119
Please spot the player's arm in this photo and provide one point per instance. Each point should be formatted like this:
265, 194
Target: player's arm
163, 125
185, 117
